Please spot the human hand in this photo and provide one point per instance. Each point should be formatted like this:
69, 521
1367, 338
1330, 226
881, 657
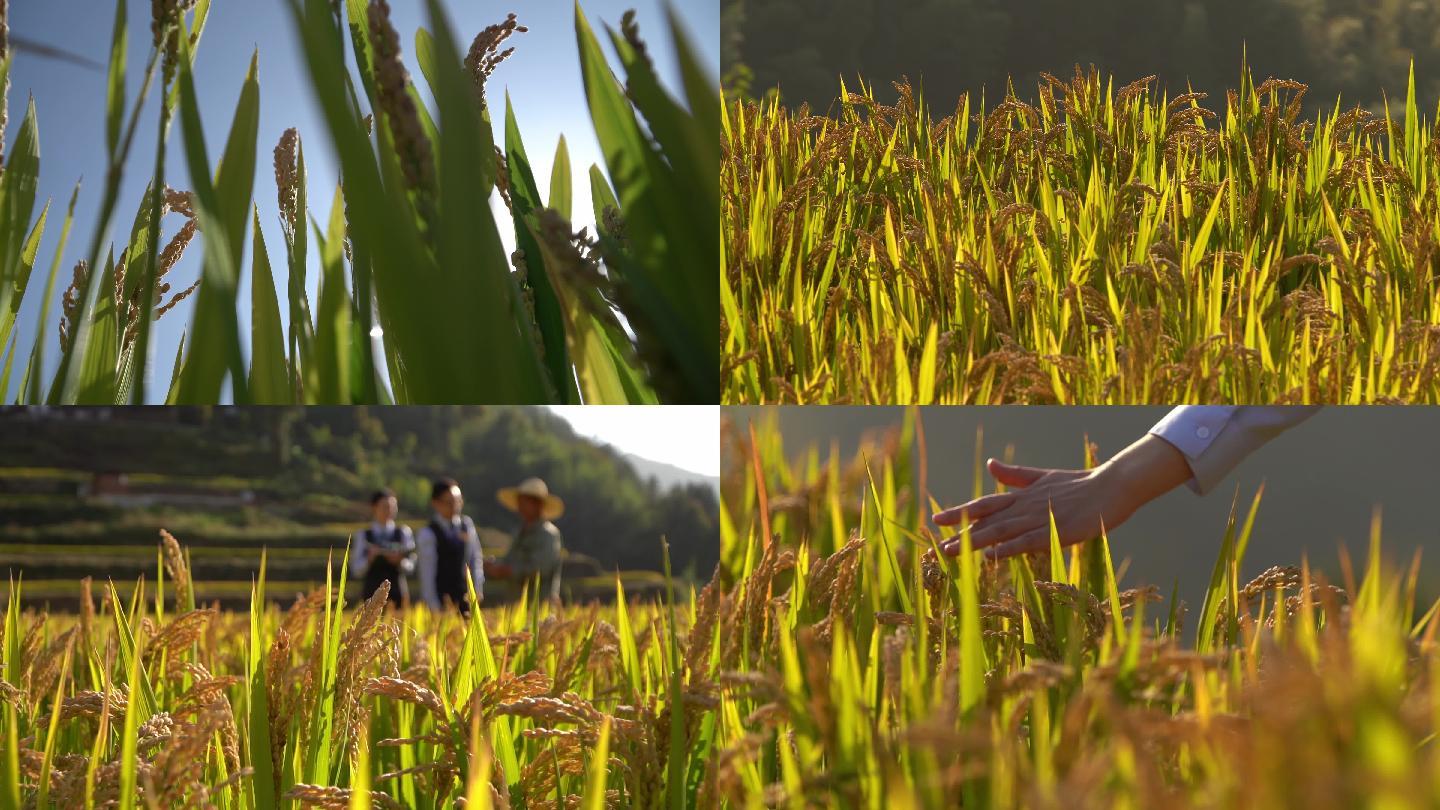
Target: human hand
1084, 502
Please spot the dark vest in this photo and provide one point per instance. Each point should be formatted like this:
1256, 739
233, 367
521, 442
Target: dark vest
382, 569
452, 561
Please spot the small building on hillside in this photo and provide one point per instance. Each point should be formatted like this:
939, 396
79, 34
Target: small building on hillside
115, 488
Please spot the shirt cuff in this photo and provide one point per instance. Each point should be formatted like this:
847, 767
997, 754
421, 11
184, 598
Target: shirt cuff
1191, 429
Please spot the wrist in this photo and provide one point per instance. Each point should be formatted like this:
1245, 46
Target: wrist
1142, 472
1118, 485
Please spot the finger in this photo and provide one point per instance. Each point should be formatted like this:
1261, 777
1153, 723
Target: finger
984, 534
974, 510
951, 546
995, 532
1013, 475
1031, 542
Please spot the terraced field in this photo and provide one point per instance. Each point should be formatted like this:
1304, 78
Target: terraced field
55, 540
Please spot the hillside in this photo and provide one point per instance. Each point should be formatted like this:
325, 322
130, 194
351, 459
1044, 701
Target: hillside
668, 475
85, 491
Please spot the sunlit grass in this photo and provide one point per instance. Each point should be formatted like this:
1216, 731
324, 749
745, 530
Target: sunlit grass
1102, 245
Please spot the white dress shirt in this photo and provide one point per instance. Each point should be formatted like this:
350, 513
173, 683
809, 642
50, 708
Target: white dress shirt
425, 540
1216, 438
360, 561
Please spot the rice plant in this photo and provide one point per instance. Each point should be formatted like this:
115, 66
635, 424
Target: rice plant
410, 250
857, 667
1100, 245
157, 701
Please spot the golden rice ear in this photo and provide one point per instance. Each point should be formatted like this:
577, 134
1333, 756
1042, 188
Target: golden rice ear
178, 570
287, 179
485, 53
393, 91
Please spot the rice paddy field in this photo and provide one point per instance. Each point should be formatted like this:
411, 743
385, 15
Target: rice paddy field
1098, 244
146, 697
414, 283
856, 667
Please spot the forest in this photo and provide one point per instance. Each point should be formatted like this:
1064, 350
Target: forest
1358, 51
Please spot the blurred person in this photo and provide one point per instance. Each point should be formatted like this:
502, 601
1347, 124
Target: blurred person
535, 554
384, 551
449, 551
1194, 444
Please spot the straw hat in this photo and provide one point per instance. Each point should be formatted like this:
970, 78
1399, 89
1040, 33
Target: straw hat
535, 488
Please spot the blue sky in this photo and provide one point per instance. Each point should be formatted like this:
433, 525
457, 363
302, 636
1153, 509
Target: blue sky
542, 76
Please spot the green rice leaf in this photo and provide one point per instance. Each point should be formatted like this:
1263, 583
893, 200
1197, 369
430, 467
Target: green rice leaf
129, 762
549, 319
221, 210
590, 349
413, 323
559, 177
101, 353
6, 367
671, 279
701, 95
972, 651
269, 378
33, 393
332, 320
467, 237
42, 795
10, 760
629, 652
599, 769
15, 292
115, 88
175, 369
17, 202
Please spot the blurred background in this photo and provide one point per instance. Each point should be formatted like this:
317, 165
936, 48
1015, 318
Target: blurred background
1323, 480
85, 491
1354, 50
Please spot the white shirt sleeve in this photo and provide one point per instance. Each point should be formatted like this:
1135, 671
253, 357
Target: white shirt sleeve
425, 542
1216, 438
477, 563
407, 541
359, 560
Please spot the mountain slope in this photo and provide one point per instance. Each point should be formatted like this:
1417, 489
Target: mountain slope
668, 475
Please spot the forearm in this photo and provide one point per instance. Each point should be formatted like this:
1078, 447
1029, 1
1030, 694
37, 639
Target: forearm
477, 571
1142, 472
428, 592
408, 553
359, 557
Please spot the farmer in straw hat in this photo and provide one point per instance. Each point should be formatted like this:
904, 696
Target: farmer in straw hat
535, 553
